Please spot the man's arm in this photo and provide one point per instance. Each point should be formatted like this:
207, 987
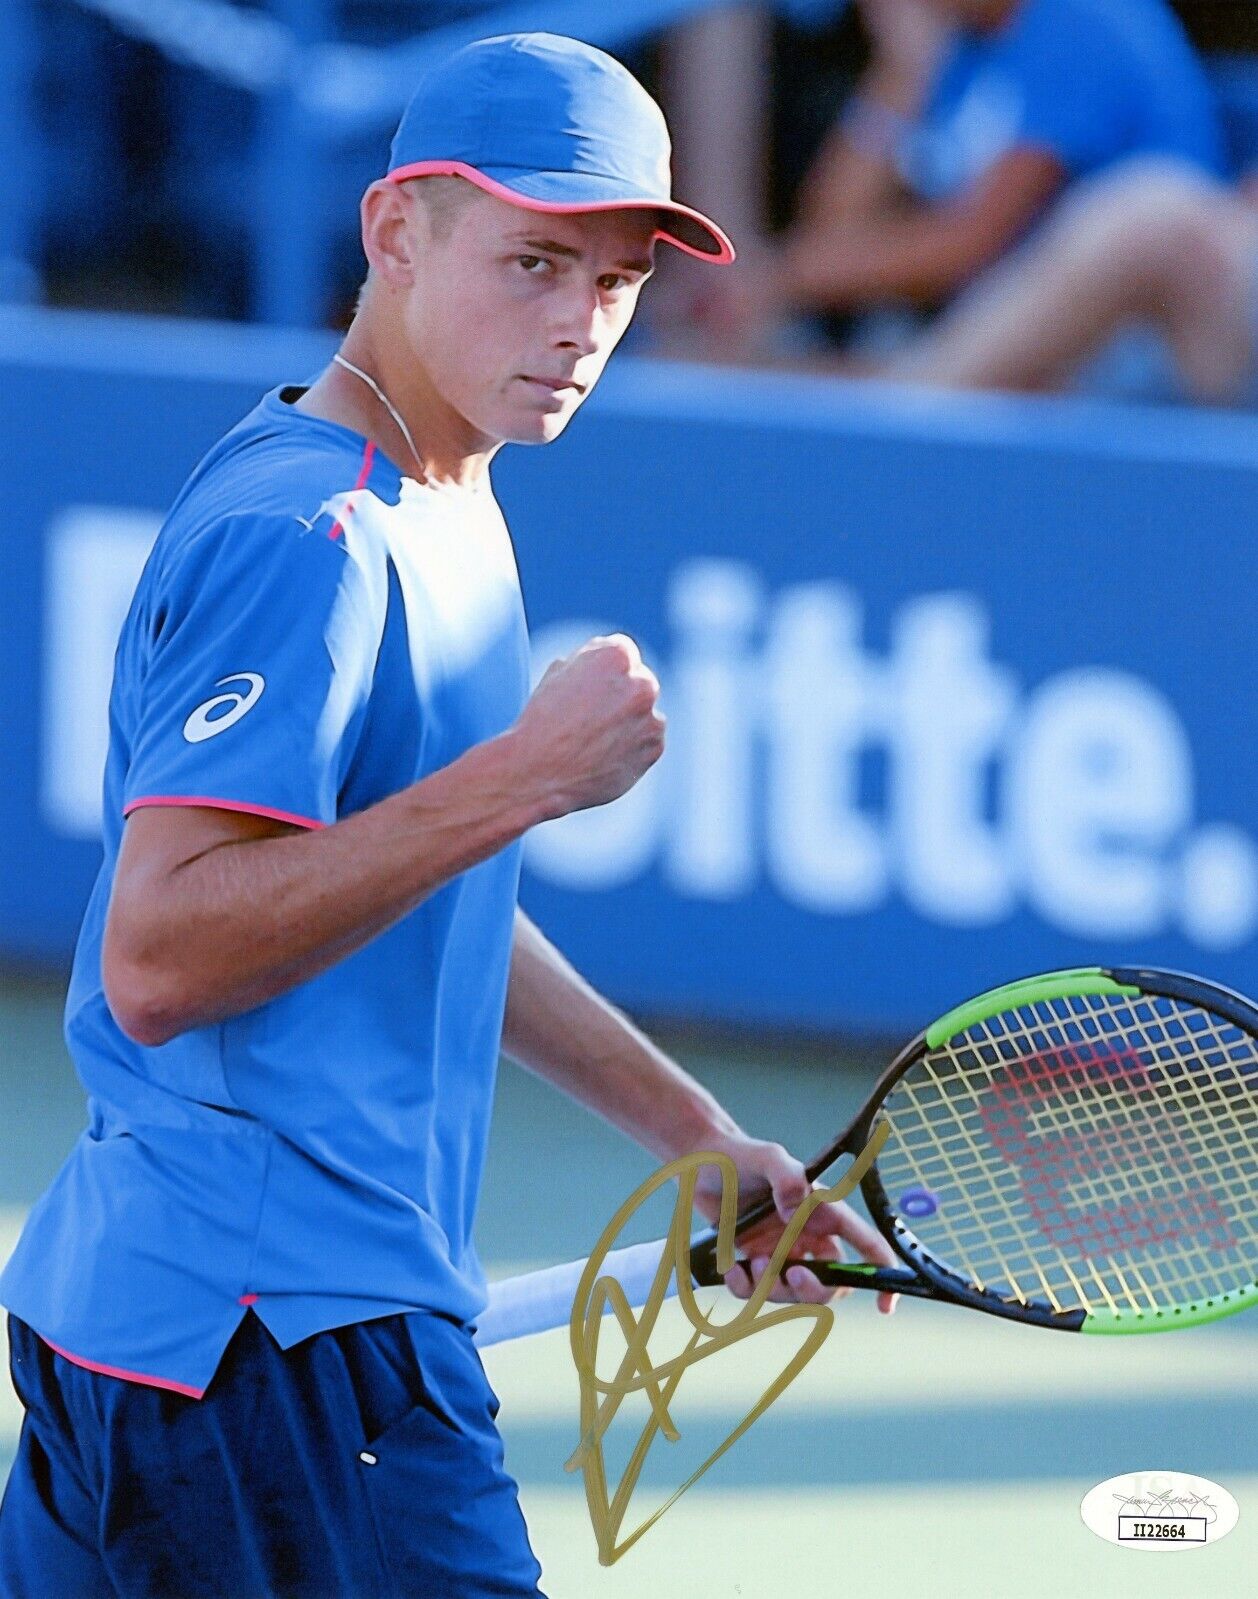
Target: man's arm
213, 912
923, 256
854, 175
560, 1029
854, 178
565, 1032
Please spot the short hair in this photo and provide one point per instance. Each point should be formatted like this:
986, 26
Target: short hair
444, 200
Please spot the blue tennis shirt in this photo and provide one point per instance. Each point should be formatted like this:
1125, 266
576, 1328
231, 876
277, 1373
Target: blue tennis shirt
1091, 81
312, 633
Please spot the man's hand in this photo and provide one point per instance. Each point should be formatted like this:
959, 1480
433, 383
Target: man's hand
592, 727
908, 38
762, 1166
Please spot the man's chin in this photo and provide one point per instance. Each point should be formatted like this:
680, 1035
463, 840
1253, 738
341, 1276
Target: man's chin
542, 428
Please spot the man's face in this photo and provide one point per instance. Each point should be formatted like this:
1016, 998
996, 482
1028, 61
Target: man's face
512, 303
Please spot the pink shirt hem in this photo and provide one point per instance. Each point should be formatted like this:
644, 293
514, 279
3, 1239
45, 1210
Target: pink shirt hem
126, 1376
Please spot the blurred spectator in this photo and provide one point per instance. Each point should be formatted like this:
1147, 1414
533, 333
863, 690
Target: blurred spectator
1147, 284
972, 119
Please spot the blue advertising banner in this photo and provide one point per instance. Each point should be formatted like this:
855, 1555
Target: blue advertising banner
957, 688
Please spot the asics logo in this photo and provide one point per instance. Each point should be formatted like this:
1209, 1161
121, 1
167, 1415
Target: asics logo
199, 727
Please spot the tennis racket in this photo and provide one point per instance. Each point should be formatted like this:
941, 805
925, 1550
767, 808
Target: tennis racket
1077, 1150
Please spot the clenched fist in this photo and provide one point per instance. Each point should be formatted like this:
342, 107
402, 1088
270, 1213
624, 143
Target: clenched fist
592, 728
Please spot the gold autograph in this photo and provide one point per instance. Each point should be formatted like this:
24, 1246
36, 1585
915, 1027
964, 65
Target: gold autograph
602, 1397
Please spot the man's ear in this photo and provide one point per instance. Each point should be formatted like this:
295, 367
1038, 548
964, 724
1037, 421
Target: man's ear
388, 241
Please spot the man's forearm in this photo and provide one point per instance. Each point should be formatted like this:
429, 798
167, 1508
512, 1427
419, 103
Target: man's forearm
248, 920
919, 259
854, 178
562, 1030
924, 254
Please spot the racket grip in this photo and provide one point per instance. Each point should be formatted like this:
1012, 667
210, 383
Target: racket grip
882, 1279
839, 1274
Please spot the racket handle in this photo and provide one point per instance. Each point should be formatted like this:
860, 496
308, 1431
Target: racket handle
845, 1274
541, 1300
883, 1279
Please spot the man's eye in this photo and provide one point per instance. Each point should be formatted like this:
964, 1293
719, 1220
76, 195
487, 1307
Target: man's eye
612, 281
529, 262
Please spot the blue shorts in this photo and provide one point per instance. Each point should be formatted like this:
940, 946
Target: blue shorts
362, 1463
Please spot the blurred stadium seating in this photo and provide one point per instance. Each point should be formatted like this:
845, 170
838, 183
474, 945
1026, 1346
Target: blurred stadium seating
225, 145
205, 156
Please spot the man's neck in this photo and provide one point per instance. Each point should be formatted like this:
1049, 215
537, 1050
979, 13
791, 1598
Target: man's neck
341, 396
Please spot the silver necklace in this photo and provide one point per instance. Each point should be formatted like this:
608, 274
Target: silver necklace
388, 405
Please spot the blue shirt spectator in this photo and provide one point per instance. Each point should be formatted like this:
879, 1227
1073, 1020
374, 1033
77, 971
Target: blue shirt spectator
1089, 81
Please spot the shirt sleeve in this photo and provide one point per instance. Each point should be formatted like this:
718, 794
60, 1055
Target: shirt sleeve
1077, 98
260, 646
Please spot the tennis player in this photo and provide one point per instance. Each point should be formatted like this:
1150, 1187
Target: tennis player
241, 1318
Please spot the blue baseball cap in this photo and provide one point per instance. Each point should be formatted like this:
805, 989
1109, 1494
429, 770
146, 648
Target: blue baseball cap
549, 124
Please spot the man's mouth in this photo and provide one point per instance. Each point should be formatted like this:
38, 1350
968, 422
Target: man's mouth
555, 385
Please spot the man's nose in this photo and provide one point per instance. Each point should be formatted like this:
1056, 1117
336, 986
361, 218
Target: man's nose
576, 325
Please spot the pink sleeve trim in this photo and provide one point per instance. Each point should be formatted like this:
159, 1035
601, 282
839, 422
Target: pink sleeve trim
221, 805
126, 1376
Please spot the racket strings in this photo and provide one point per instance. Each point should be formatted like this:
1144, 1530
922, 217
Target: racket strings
1093, 1151
1145, 1190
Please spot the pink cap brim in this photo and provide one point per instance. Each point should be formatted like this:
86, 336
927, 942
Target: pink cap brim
721, 256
